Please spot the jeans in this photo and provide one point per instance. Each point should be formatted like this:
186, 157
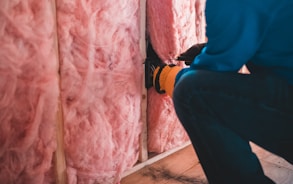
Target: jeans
223, 111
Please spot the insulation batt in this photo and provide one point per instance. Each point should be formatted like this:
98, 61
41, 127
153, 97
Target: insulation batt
101, 79
165, 131
29, 91
173, 27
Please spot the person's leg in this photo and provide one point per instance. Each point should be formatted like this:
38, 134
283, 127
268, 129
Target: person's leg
222, 112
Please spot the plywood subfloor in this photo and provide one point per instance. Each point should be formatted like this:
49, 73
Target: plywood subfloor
183, 167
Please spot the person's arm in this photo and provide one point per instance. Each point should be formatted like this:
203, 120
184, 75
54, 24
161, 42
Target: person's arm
234, 30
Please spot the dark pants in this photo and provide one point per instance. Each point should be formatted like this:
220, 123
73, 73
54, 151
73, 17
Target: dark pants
223, 111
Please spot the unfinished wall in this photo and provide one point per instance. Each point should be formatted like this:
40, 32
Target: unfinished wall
77, 64
101, 78
173, 27
101, 70
28, 91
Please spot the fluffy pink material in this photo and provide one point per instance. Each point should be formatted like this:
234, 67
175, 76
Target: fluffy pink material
165, 131
173, 26
28, 91
101, 75
101, 70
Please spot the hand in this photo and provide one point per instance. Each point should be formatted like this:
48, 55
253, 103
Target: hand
189, 55
164, 78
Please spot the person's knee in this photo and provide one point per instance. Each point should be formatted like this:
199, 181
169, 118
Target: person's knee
185, 92
188, 82
192, 91
181, 88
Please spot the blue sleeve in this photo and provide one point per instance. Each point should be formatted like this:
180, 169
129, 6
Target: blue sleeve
234, 30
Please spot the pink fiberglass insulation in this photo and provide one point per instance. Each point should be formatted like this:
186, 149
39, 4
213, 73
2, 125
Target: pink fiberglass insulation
173, 26
101, 76
28, 91
165, 131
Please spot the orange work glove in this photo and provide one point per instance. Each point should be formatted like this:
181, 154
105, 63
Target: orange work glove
164, 78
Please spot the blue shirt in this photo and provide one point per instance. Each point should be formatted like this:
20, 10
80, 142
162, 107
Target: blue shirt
238, 31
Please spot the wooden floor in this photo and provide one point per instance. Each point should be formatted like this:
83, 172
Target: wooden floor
182, 167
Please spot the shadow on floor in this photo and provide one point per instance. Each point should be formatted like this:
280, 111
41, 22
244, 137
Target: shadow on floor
161, 173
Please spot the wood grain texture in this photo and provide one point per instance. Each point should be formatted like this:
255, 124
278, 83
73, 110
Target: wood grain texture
183, 167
